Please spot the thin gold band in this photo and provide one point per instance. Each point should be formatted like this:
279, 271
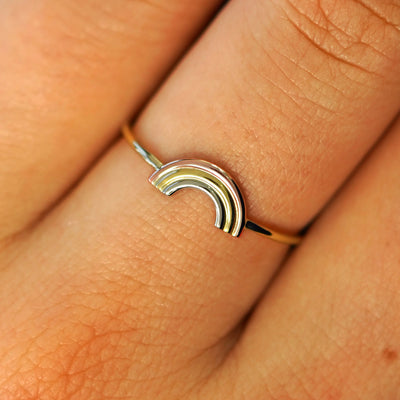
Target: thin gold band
200, 174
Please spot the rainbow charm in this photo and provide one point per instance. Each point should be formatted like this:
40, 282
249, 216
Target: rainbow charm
215, 182
207, 177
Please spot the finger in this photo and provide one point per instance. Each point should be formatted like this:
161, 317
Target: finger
329, 326
161, 257
299, 100
133, 307
70, 73
287, 165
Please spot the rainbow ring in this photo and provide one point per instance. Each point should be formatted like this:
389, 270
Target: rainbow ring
212, 180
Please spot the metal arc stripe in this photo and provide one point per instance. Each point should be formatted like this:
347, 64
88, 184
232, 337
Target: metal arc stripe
211, 179
185, 176
220, 216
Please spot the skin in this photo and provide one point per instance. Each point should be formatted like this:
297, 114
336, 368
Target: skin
111, 290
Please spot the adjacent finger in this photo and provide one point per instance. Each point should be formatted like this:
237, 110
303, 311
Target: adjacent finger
71, 72
329, 326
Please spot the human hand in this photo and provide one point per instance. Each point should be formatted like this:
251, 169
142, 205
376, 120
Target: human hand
110, 290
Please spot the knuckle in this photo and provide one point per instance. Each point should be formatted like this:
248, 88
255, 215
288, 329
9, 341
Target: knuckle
96, 345
350, 33
64, 362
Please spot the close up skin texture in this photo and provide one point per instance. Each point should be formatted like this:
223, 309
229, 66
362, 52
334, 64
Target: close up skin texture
112, 291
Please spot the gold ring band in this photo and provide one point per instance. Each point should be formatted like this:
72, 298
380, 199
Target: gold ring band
215, 182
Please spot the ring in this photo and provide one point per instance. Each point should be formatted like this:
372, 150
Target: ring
215, 182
